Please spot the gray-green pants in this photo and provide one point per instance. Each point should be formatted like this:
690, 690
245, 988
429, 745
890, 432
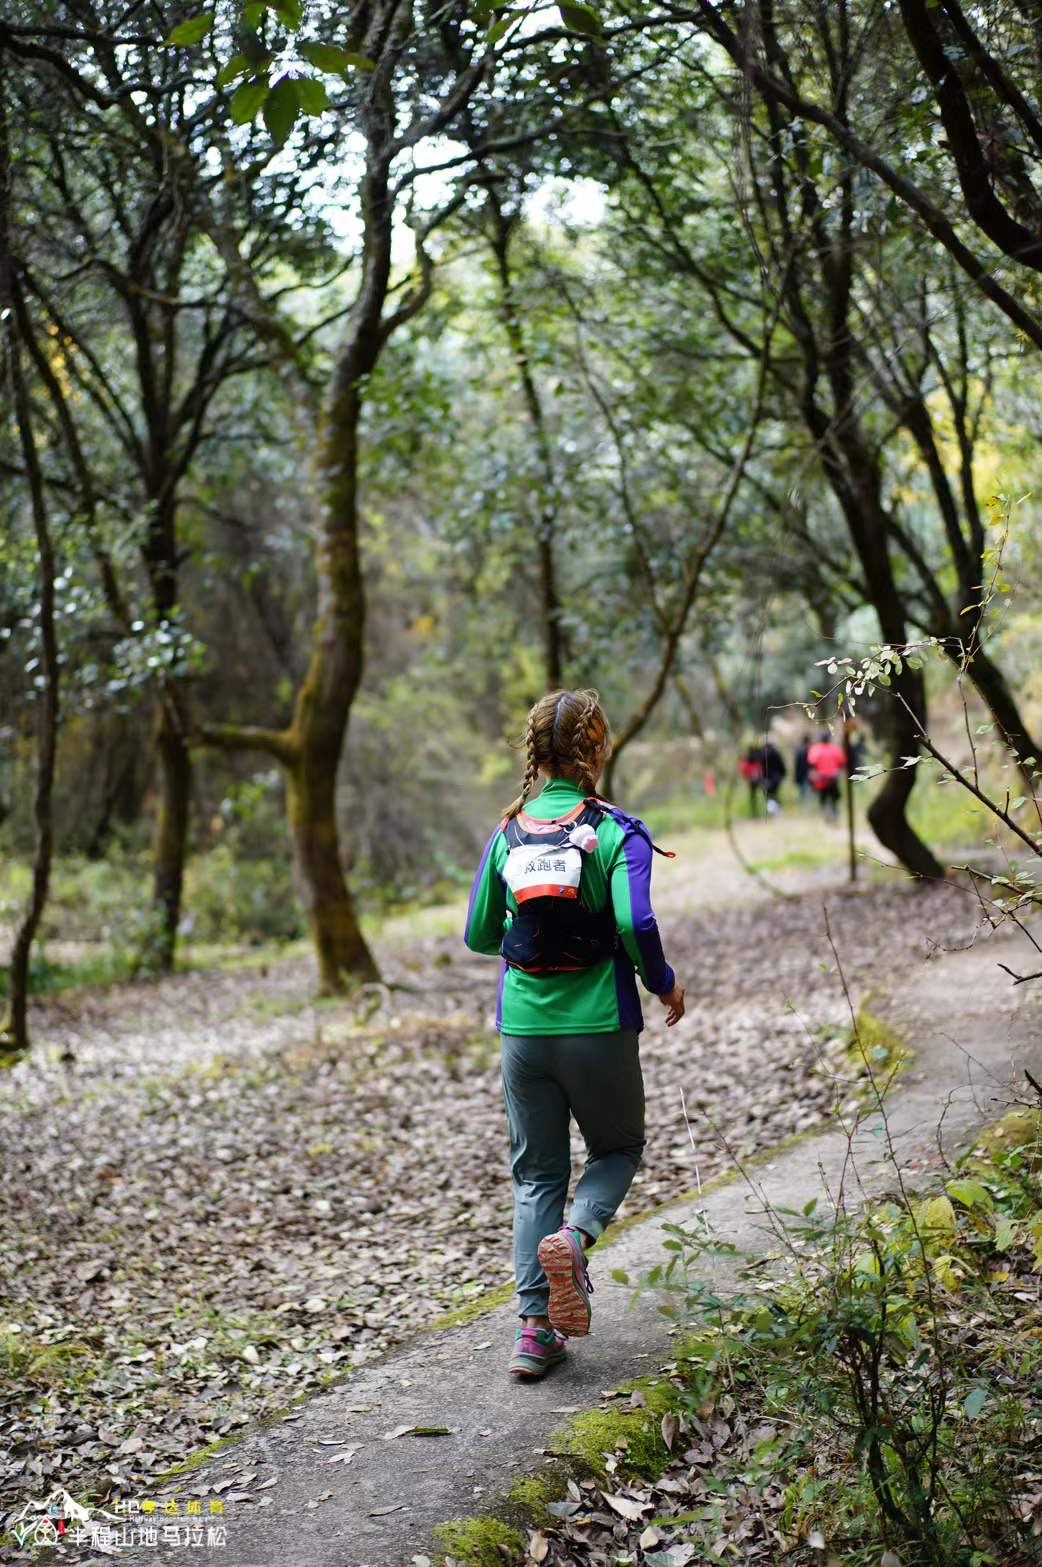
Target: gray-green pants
547, 1078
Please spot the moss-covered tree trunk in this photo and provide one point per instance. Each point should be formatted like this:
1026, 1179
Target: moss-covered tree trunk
323, 703
309, 748
341, 951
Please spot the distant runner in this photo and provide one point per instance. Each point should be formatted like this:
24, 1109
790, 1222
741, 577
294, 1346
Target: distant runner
563, 894
825, 763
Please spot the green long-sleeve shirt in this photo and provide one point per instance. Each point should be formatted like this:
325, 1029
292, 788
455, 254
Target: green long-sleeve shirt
595, 1000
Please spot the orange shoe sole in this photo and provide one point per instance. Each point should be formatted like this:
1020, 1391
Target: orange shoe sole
569, 1304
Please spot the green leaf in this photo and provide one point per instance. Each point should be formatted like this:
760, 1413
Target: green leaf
974, 1402
311, 95
247, 99
949, 1271
337, 61
620, 1276
1005, 1229
498, 28
937, 1216
972, 1194
288, 12
281, 107
236, 66
253, 13
191, 32
580, 18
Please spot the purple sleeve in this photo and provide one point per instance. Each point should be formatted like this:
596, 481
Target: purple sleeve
631, 898
487, 908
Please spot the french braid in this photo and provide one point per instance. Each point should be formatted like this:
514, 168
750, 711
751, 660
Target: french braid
585, 735
563, 734
531, 771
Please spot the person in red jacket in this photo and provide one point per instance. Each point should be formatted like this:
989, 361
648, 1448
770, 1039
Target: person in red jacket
826, 762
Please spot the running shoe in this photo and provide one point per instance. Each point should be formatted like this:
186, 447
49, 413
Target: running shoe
535, 1351
563, 1260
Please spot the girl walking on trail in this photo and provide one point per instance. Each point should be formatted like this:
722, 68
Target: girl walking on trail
563, 894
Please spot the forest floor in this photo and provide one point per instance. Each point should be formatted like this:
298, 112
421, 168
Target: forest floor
220, 1197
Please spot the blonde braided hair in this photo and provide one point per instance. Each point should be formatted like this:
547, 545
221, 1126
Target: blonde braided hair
564, 732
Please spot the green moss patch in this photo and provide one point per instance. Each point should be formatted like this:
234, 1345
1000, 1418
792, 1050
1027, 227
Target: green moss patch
626, 1433
1019, 1131
488, 1300
618, 1430
876, 1053
476, 1542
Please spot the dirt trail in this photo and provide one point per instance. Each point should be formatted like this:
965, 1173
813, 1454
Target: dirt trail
972, 1033
218, 1194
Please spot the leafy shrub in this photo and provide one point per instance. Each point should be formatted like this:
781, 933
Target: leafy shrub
899, 1351
231, 898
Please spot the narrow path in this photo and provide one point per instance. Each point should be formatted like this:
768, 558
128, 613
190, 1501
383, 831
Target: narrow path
972, 1033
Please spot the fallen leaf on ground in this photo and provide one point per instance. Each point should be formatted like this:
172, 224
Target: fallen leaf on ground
626, 1508
182, 1074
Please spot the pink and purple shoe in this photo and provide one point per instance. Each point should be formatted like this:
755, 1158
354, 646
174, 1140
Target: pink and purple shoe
535, 1351
563, 1260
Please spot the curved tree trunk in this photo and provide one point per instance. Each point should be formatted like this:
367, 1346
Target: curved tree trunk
169, 840
309, 749
340, 947
887, 815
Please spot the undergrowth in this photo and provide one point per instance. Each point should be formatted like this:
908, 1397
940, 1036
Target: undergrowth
867, 1395
897, 1355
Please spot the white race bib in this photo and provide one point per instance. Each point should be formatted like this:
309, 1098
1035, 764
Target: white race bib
533, 871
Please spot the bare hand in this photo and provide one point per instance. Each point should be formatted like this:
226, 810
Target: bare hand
673, 1001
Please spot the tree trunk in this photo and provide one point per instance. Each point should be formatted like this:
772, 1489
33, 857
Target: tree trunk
170, 834
169, 841
340, 947
14, 1031
887, 814
310, 749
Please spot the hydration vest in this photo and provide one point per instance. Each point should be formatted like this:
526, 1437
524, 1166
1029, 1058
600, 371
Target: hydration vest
554, 931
